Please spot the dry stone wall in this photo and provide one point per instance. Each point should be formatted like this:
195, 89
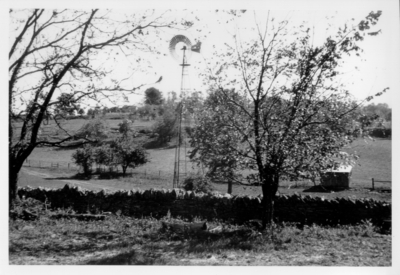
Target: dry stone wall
186, 204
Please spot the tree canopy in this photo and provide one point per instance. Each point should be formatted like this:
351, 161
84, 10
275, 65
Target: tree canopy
277, 107
153, 97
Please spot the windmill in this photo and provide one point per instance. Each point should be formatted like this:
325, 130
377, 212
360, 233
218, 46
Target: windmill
181, 50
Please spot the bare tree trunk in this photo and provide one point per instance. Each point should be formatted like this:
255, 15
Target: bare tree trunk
14, 168
13, 186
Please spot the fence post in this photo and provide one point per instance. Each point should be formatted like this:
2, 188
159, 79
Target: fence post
373, 184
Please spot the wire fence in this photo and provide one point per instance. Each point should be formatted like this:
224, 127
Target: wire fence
143, 172
374, 181
51, 164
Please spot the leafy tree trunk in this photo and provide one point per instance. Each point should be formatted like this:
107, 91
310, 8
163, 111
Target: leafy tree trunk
269, 188
86, 170
229, 187
124, 170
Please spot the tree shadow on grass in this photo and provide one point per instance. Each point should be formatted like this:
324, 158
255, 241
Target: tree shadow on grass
318, 189
207, 242
97, 176
74, 177
130, 258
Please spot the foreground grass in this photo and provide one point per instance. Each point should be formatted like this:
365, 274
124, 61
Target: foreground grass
122, 240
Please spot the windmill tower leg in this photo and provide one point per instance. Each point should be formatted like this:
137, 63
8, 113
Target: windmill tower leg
180, 165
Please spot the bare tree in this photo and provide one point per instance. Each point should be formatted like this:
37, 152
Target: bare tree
67, 52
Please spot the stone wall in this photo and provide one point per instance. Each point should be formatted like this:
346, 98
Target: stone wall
186, 204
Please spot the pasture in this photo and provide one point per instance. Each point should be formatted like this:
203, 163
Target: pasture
374, 162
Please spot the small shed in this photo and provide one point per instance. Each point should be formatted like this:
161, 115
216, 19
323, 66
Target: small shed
339, 177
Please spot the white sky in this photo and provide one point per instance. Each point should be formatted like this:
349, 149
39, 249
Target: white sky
379, 71
381, 53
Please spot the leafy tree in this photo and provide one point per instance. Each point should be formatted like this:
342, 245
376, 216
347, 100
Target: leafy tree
56, 52
125, 127
219, 156
127, 154
166, 128
103, 155
153, 97
67, 104
81, 112
90, 113
376, 113
95, 130
293, 121
146, 112
83, 157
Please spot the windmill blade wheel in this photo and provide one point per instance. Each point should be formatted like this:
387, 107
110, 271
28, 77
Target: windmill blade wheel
174, 50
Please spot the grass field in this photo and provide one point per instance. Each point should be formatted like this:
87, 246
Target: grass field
120, 240
51, 129
375, 162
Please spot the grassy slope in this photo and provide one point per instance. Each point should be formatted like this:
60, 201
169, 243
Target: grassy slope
122, 240
375, 162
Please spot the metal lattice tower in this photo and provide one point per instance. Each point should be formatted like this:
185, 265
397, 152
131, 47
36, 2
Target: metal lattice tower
183, 121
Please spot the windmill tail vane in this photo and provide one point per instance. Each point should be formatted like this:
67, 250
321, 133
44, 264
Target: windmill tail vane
196, 48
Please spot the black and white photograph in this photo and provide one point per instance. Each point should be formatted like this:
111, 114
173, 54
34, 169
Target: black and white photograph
215, 134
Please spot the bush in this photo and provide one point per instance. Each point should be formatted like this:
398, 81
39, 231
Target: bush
198, 184
381, 132
166, 128
145, 131
83, 157
94, 129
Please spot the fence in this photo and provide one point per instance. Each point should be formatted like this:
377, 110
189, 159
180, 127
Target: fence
143, 172
381, 181
50, 164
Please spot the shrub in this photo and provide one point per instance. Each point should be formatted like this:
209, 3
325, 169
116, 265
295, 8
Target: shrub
95, 129
381, 132
83, 157
198, 184
166, 128
125, 127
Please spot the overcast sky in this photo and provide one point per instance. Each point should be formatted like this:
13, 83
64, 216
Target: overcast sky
363, 78
376, 69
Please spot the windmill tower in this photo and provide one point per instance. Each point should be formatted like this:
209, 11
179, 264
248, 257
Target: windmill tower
181, 49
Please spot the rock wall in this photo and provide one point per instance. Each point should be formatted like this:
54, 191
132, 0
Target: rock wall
188, 205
